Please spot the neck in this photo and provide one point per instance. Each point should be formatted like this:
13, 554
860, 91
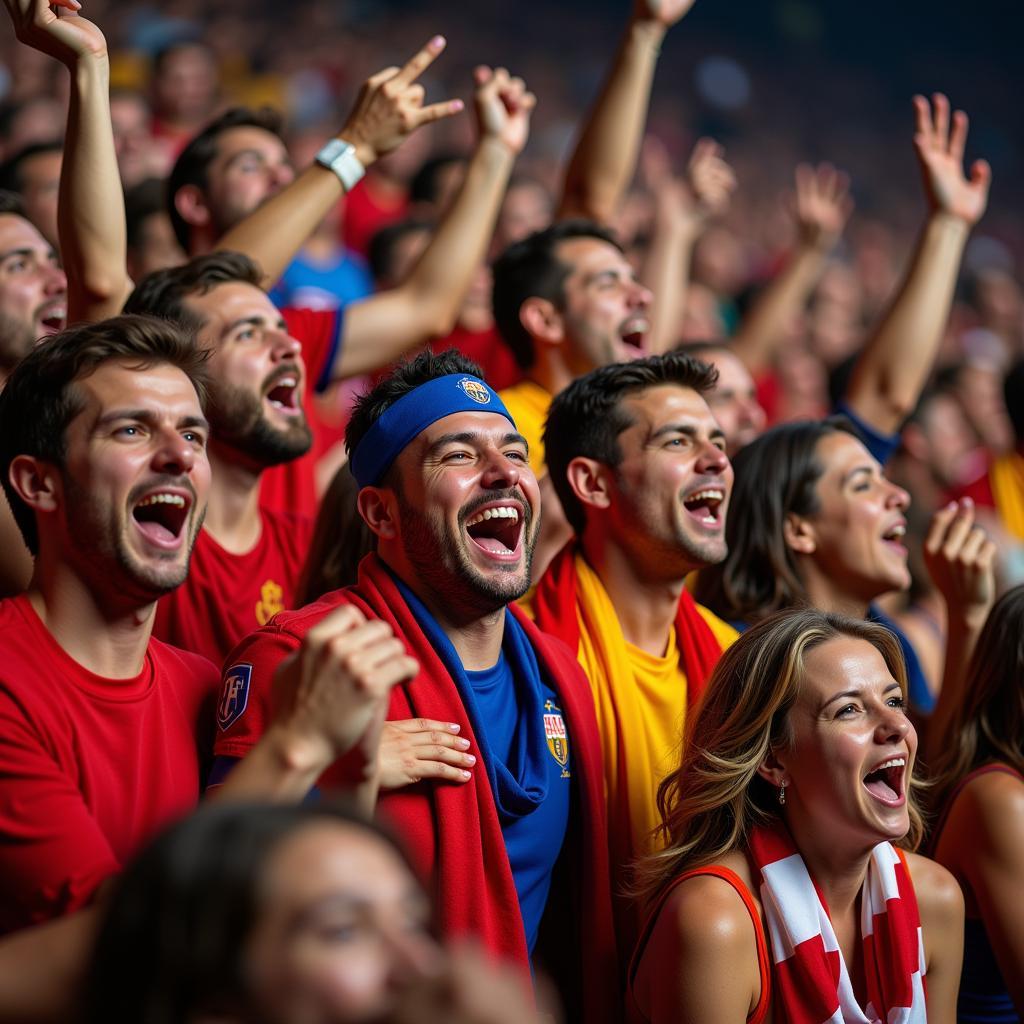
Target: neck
645, 607
476, 318
823, 594
233, 511
838, 871
105, 633
550, 372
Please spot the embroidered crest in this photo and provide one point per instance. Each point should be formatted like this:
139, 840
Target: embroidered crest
270, 603
475, 390
554, 730
234, 696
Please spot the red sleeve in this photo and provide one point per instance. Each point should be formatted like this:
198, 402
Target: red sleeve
53, 855
319, 330
244, 707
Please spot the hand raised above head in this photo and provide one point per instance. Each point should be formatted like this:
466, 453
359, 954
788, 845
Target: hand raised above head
960, 556
664, 12
503, 107
62, 32
821, 205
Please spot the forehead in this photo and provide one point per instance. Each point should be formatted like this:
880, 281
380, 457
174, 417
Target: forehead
841, 452
42, 165
122, 384
665, 404
482, 427
586, 256
18, 233
233, 141
231, 301
843, 663
732, 374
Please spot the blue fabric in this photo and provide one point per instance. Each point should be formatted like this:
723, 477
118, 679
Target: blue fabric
509, 707
882, 446
983, 997
413, 413
309, 284
921, 698
323, 382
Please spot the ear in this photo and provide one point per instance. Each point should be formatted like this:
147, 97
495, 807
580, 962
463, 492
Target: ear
773, 771
190, 203
379, 510
799, 535
36, 482
590, 481
542, 320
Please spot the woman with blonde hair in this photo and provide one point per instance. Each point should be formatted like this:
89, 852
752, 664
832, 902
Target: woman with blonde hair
780, 895
978, 791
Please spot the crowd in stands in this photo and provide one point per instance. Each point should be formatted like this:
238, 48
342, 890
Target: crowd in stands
477, 548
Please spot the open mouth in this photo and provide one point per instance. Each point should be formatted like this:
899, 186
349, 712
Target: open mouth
497, 530
161, 516
634, 335
894, 536
885, 783
705, 505
54, 319
284, 395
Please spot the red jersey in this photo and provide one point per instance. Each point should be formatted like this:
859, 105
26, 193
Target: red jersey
227, 596
488, 351
366, 214
291, 487
92, 768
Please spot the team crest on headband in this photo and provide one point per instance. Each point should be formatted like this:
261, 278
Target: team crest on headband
557, 736
475, 390
234, 696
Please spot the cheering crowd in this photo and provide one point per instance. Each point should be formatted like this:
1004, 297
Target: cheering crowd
439, 592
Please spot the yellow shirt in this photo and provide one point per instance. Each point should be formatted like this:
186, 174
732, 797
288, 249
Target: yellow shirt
528, 403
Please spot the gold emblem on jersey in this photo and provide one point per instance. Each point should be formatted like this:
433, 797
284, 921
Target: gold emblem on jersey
555, 731
270, 603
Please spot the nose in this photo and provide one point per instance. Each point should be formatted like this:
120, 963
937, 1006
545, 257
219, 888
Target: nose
173, 455
281, 175
500, 470
712, 459
56, 280
897, 498
640, 296
893, 725
284, 347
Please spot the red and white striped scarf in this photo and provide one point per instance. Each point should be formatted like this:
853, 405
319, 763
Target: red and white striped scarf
810, 982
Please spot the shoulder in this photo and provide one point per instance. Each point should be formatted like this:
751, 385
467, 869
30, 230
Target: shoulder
990, 810
939, 899
180, 663
725, 634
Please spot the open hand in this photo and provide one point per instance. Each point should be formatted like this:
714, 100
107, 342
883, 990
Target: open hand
390, 107
56, 29
420, 748
503, 107
821, 205
939, 144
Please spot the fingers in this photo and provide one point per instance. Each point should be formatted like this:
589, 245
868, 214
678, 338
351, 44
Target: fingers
939, 525
439, 770
425, 725
438, 111
420, 61
958, 530
958, 136
981, 173
923, 132
941, 122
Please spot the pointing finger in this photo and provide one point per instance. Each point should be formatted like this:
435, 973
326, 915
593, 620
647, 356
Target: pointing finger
419, 62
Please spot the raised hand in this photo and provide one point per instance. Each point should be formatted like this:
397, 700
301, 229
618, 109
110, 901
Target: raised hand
702, 194
332, 694
959, 556
710, 178
390, 107
821, 205
939, 143
56, 29
664, 12
503, 107
420, 748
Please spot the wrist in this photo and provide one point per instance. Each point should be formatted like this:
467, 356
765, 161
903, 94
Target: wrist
296, 753
949, 223
647, 32
365, 152
341, 158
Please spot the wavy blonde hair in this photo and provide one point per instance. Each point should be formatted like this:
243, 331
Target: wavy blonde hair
710, 803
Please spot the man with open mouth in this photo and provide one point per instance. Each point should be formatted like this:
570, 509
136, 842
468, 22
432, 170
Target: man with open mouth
447, 490
639, 465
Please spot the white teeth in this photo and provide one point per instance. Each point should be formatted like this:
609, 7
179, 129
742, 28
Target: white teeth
709, 495
895, 762
896, 532
162, 499
501, 512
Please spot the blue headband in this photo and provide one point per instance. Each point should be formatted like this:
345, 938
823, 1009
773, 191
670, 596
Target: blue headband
413, 413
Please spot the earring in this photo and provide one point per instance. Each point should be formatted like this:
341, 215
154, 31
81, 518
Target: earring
782, 794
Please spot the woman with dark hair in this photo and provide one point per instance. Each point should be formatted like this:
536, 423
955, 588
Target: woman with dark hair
979, 794
276, 914
795, 784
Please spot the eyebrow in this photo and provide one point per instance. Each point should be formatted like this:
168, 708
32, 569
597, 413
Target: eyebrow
149, 416
470, 437
25, 250
857, 470
859, 693
688, 430
254, 321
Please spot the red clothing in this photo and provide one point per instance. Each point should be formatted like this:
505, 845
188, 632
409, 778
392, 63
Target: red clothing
453, 832
91, 767
227, 596
291, 487
365, 215
488, 351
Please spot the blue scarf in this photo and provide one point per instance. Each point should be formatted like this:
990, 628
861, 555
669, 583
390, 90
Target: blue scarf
519, 788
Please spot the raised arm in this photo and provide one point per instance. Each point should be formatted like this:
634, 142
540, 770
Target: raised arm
380, 328
91, 217
604, 160
389, 108
821, 208
682, 211
897, 360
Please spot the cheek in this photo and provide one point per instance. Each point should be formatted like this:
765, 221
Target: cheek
339, 984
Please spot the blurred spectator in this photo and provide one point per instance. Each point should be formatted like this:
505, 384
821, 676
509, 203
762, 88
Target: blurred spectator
34, 173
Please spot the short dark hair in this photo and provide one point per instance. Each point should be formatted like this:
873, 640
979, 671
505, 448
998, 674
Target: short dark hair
774, 476
586, 419
11, 177
163, 293
425, 186
381, 252
11, 202
40, 399
406, 377
194, 161
530, 268
141, 201
172, 942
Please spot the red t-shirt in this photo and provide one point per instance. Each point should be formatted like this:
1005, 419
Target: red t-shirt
488, 351
365, 215
227, 596
91, 768
291, 487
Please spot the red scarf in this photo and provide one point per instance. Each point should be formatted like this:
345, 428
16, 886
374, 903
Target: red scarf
453, 833
554, 604
810, 980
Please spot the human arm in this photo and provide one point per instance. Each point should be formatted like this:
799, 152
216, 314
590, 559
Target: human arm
959, 556
378, 329
940, 904
604, 160
389, 108
420, 748
700, 962
821, 208
682, 210
897, 360
91, 218
331, 697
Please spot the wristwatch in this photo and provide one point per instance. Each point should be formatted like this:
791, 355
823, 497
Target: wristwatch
340, 156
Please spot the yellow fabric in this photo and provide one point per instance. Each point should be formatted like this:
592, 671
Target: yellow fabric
1007, 479
528, 404
640, 702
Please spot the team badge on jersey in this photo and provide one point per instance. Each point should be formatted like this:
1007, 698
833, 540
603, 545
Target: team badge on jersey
555, 731
475, 390
234, 696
